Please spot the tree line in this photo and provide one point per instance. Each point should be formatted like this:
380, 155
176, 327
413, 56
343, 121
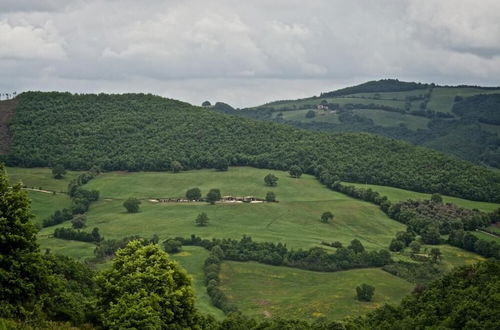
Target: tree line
143, 132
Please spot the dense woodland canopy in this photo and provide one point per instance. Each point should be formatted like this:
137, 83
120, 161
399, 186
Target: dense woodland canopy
144, 132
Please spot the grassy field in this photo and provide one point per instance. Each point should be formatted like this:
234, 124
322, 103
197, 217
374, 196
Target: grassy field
442, 98
486, 236
390, 119
191, 258
396, 194
45, 204
340, 101
263, 290
300, 115
40, 178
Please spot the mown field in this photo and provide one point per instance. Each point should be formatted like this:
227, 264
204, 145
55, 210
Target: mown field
263, 290
294, 220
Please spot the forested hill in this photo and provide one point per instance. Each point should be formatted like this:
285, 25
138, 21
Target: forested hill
144, 132
463, 121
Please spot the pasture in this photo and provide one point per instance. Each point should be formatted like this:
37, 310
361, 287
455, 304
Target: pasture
397, 194
265, 291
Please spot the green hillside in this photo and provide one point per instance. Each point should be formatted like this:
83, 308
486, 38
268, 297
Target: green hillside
265, 291
143, 132
461, 121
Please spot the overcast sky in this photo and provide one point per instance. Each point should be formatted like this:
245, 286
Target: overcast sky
244, 52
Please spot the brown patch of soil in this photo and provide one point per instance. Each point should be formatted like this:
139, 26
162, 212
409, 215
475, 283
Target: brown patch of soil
7, 108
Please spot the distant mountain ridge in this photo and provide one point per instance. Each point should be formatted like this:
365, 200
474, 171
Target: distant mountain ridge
462, 120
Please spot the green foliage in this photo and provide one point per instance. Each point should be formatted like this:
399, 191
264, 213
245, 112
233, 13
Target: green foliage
271, 180
437, 198
310, 114
79, 221
295, 171
270, 196
172, 245
58, 171
365, 292
132, 205
24, 277
396, 245
213, 196
383, 85
193, 194
326, 216
176, 166
222, 164
157, 131
202, 220
435, 255
415, 247
145, 289
464, 299
78, 235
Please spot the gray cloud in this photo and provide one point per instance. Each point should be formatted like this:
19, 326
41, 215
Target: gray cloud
244, 53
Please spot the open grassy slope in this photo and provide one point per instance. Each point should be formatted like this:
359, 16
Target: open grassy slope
40, 178
295, 220
45, 204
264, 291
396, 194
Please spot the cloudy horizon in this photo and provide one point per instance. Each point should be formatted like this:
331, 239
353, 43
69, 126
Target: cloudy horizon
244, 53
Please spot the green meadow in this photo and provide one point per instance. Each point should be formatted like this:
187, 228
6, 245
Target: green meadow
389, 119
258, 290
294, 220
266, 291
191, 258
396, 194
40, 178
442, 98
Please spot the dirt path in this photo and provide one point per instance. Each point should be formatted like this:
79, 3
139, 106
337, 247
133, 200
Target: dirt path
6, 111
39, 190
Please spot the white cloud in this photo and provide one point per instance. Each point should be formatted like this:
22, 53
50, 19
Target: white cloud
245, 52
29, 42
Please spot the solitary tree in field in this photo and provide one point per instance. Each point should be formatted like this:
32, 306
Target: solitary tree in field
213, 196
271, 180
58, 171
193, 194
202, 219
176, 166
326, 217
295, 171
365, 292
270, 197
132, 205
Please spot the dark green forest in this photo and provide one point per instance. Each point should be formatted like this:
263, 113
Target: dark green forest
143, 132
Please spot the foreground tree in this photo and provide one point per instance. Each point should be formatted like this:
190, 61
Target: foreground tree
132, 205
326, 217
213, 196
193, 194
145, 289
202, 219
365, 292
271, 180
295, 171
58, 171
23, 276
